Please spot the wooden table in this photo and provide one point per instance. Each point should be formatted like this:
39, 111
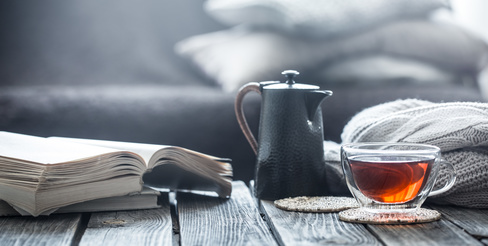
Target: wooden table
202, 220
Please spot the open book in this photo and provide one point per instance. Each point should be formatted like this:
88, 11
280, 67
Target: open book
39, 175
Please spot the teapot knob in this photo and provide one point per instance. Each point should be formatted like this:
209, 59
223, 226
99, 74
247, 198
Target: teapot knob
290, 74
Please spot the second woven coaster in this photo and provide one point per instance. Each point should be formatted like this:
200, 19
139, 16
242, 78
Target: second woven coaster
316, 203
358, 215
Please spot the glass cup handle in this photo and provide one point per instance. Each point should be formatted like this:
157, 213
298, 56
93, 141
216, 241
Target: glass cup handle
450, 182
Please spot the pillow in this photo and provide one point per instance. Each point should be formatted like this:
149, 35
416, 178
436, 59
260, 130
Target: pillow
239, 55
382, 69
318, 18
235, 57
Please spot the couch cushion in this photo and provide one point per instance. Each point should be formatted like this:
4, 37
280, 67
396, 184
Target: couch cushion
195, 117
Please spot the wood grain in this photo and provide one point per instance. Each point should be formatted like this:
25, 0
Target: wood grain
485, 241
44, 230
473, 221
215, 221
441, 232
297, 228
237, 221
137, 227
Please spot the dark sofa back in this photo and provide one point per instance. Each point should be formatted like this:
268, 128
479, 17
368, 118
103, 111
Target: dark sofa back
98, 42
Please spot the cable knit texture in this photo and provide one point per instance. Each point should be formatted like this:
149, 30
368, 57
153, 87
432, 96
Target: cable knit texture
460, 129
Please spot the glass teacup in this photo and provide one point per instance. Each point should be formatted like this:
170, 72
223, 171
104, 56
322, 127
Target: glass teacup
393, 177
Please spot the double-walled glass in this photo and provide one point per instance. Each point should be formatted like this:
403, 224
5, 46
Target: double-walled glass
393, 177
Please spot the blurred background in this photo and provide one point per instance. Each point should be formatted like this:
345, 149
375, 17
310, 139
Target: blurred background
93, 42
470, 15
166, 72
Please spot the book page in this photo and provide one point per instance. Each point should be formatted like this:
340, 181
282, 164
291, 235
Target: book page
45, 150
146, 151
175, 167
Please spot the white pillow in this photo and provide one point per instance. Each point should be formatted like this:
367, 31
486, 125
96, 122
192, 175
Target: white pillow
237, 56
318, 18
385, 69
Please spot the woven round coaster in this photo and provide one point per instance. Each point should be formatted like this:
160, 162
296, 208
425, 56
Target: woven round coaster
316, 203
359, 215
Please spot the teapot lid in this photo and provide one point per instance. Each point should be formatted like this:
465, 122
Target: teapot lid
290, 83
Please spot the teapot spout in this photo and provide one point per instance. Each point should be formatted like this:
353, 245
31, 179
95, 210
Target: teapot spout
314, 99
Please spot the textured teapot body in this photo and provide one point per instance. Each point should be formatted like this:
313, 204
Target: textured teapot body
290, 159
289, 150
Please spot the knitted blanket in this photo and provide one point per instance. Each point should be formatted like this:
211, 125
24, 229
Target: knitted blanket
460, 129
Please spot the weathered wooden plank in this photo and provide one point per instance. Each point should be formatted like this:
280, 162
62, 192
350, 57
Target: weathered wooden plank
214, 221
473, 221
44, 230
485, 241
137, 227
441, 232
296, 228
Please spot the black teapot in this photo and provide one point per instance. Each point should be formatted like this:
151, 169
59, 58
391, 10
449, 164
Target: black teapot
290, 154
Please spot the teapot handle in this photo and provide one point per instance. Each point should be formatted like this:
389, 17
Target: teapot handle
241, 119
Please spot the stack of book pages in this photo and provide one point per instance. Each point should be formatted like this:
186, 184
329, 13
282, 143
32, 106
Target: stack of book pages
43, 175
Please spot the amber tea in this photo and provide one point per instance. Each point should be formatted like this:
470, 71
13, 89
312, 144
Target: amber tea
391, 180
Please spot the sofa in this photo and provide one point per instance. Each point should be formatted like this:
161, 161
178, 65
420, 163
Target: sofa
110, 70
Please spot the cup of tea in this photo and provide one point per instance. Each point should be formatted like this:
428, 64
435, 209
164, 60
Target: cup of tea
393, 177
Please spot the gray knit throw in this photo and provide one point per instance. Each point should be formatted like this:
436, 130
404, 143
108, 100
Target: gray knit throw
460, 129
